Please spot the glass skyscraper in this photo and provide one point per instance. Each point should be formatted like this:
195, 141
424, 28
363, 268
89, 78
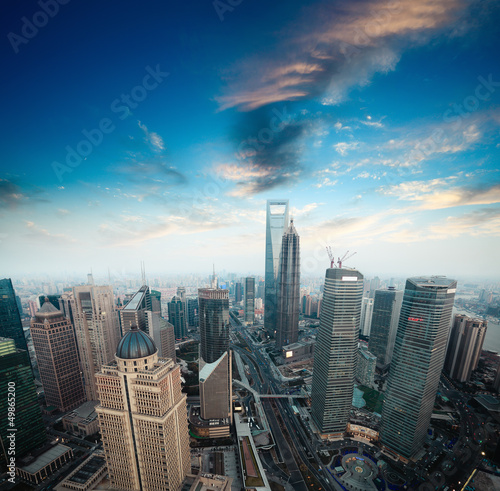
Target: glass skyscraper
336, 351
288, 289
215, 356
276, 225
15, 372
385, 318
177, 317
10, 320
249, 300
419, 353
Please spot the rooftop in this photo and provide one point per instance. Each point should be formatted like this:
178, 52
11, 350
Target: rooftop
46, 458
135, 344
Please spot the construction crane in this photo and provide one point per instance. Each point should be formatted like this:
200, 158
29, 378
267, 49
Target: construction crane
331, 256
340, 261
345, 257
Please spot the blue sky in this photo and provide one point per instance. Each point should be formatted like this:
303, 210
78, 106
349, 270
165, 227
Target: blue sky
156, 131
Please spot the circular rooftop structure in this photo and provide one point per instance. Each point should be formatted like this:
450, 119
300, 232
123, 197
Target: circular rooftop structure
135, 344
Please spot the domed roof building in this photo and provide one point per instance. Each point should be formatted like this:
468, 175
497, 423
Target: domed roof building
142, 417
135, 344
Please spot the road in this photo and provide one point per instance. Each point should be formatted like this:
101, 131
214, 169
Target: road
268, 383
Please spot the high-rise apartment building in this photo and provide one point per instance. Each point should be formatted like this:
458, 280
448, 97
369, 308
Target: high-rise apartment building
288, 289
57, 356
276, 226
215, 355
162, 333
336, 350
366, 316
10, 319
97, 330
464, 347
418, 359
26, 424
142, 417
249, 300
385, 318
133, 313
177, 317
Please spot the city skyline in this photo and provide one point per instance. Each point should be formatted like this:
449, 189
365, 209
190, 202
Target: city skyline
378, 121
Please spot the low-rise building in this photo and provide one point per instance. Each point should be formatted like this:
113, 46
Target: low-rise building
83, 420
87, 475
299, 351
46, 464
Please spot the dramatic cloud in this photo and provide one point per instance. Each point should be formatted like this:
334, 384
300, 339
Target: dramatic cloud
268, 150
336, 49
13, 195
438, 193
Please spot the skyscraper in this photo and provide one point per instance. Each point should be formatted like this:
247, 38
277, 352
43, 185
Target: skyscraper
57, 356
336, 350
385, 318
177, 317
418, 359
133, 313
215, 355
288, 289
249, 300
276, 225
26, 423
163, 334
464, 347
366, 316
142, 417
10, 320
156, 301
97, 330
192, 304
238, 292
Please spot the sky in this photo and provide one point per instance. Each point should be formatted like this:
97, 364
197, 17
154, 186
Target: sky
156, 131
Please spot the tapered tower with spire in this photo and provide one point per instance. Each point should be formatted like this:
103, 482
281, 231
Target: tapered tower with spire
287, 327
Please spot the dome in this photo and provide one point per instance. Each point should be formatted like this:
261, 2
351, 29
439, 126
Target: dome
135, 344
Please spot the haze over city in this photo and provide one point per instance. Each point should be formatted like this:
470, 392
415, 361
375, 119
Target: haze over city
157, 132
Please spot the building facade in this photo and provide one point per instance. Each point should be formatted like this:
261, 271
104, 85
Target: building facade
385, 318
288, 289
142, 418
464, 347
366, 316
10, 319
418, 359
336, 350
215, 352
177, 317
133, 313
57, 356
276, 225
365, 370
97, 330
162, 333
16, 375
249, 300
